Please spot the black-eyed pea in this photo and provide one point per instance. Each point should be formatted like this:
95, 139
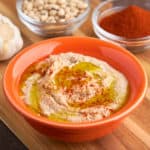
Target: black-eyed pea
57, 18
38, 3
74, 10
24, 7
61, 2
63, 6
62, 20
52, 1
73, 5
26, 12
40, 8
25, 3
61, 12
45, 1
51, 19
47, 7
44, 12
52, 12
37, 14
68, 16
54, 6
72, 15
35, 10
82, 5
67, 10
31, 14
29, 6
43, 18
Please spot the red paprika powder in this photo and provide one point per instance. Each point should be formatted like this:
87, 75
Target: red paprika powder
131, 22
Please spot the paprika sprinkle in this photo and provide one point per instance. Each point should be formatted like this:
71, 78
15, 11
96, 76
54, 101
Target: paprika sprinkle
131, 22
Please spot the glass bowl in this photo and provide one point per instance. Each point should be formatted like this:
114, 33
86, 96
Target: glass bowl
108, 7
51, 29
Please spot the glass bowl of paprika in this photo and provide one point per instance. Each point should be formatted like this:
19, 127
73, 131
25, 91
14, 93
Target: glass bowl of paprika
124, 22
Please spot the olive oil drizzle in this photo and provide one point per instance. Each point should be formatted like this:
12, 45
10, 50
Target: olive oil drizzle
68, 77
34, 97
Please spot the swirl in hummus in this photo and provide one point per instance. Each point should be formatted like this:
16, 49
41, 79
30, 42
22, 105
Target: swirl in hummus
73, 87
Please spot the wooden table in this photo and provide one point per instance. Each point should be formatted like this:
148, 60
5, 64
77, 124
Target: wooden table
133, 133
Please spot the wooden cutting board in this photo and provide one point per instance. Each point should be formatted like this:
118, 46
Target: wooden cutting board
133, 133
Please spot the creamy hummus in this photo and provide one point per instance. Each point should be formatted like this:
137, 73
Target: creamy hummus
73, 87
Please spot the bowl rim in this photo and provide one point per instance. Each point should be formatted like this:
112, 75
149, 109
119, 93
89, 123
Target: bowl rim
112, 36
116, 116
35, 22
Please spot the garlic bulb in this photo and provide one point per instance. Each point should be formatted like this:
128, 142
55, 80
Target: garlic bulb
10, 38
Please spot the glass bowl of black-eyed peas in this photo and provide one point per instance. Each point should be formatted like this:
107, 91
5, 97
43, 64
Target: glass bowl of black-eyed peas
51, 18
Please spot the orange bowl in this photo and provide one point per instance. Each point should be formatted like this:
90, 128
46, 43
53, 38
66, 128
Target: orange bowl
116, 56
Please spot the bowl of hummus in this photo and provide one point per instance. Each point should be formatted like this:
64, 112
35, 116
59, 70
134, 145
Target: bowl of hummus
74, 88
71, 87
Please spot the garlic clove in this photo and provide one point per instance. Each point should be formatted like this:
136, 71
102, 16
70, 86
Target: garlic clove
10, 38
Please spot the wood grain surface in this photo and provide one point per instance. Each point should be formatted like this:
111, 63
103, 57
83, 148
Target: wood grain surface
133, 133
